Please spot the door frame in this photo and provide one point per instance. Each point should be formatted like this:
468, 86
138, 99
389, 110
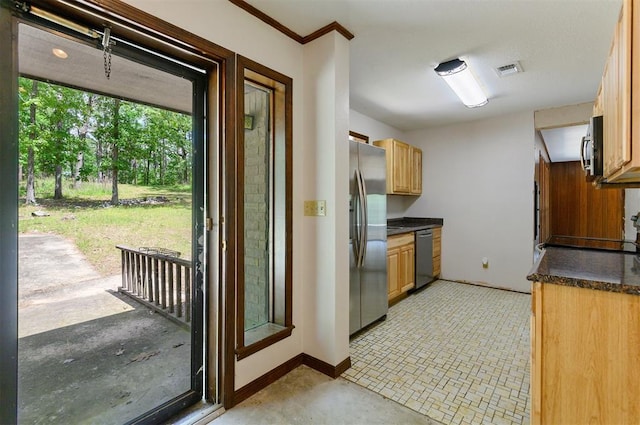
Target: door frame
163, 37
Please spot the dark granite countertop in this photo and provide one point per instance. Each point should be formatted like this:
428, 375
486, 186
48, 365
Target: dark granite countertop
397, 226
613, 271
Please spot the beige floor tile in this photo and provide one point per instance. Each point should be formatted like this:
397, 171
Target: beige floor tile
457, 353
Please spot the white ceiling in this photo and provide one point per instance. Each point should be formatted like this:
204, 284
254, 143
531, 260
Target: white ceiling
563, 144
84, 68
561, 44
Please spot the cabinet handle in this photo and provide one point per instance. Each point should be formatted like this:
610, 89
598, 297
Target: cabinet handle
583, 161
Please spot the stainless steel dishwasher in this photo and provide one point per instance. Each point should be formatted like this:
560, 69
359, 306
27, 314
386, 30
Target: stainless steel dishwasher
424, 257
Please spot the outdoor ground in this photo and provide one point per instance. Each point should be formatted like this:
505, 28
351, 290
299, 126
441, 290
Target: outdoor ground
87, 354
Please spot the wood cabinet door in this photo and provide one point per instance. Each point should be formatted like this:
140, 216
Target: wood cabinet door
401, 167
586, 349
416, 171
612, 145
437, 247
616, 98
407, 267
536, 350
393, 272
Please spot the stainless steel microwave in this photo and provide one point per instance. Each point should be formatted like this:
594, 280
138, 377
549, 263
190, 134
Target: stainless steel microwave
591, 149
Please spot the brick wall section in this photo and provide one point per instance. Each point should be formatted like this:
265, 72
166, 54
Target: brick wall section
256, 212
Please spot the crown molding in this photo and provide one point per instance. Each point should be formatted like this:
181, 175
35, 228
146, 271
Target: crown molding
334, 26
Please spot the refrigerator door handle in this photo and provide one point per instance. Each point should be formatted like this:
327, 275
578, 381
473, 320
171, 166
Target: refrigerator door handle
363, 223
356, 221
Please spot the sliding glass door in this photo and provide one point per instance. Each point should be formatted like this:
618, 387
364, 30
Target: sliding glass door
108, 175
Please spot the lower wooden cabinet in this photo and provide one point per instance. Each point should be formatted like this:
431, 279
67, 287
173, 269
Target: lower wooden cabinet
437, 247
585, 356
400, 264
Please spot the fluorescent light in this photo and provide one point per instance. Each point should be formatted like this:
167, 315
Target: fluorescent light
458, 76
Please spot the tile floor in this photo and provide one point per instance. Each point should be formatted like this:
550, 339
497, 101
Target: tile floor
457, 353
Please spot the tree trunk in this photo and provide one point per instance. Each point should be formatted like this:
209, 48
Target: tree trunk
146, 176
114, 153
31, 181
31, 186
58, 171
185, 172
114, 177
77, 168
82, 134
99, 155
160, 161
58, 184
134, 167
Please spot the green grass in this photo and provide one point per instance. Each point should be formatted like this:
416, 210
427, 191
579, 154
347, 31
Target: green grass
85, 218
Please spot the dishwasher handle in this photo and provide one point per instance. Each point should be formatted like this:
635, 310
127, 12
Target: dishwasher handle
424, 234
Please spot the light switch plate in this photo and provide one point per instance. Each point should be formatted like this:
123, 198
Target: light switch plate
315, 208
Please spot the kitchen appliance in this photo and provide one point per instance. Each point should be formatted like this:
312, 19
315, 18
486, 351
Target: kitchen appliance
424, 258
591, 148
367, 235
635, 219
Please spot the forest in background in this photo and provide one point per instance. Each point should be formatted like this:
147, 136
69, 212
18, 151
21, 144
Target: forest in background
69, 134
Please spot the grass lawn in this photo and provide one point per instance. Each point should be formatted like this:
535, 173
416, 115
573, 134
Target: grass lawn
85, 217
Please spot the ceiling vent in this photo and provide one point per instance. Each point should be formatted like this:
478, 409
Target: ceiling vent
509, 69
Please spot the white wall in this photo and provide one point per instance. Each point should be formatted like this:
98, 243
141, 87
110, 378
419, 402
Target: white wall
478, 177
376, 130
317, 255
326, 165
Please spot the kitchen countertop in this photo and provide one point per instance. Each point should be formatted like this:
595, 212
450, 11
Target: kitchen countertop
397, 226
614, 271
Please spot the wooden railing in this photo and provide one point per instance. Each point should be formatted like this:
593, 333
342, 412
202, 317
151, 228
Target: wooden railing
159, 279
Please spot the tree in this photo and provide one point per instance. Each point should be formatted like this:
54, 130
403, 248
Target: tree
114, 152
29, 133
117, 129
58, 115
81, 149
30, 197
168, 135
67, 133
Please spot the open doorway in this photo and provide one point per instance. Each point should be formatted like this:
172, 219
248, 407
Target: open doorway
569, 209
111, 247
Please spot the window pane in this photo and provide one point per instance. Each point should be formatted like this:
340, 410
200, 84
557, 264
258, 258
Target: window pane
257, 207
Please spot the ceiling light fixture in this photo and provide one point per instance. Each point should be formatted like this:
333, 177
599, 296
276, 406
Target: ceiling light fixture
59, 53
458, 76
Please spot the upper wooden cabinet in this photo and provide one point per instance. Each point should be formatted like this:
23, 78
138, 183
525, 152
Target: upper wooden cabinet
404, 167
618, 99
416, 171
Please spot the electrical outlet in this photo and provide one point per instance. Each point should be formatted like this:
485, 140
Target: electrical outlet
315, 208
485, 263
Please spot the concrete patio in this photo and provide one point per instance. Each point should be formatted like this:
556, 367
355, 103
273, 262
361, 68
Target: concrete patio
88, 354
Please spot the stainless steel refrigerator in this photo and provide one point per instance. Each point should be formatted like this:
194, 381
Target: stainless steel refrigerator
367, 235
